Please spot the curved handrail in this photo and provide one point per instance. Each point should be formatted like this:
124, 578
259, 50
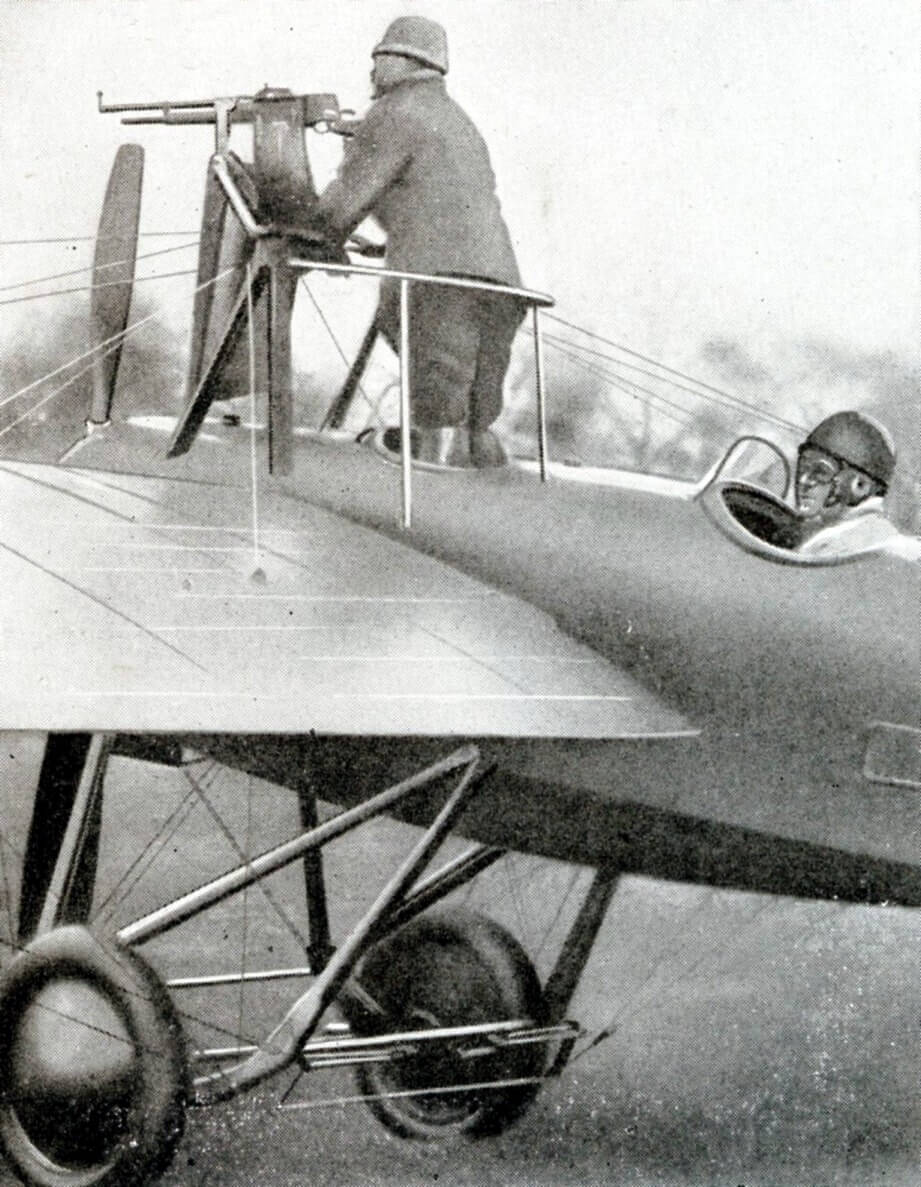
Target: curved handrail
531, 297
258, 230
528, 296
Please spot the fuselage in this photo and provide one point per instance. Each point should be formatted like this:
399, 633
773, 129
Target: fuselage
802, 680
778, 744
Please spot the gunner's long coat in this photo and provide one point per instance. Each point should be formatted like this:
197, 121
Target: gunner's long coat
420, 166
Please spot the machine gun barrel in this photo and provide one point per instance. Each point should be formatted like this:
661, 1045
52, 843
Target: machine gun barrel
108, 108
320, 108
169, 116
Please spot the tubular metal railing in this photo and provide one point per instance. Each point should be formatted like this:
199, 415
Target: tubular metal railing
534, 300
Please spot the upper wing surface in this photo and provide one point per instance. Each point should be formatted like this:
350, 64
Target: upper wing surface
148, 603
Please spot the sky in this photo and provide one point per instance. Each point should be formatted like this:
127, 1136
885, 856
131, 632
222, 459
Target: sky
672, 171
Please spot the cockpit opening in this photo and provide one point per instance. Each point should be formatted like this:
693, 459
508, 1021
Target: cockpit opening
763, 515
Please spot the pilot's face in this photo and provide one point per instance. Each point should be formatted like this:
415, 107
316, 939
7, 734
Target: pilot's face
816, 481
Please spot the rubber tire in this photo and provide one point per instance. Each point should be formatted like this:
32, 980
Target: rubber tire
449, 968
155, 1119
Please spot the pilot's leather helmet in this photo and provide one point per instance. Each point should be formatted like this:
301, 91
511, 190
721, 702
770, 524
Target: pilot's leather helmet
858, 440
416, 37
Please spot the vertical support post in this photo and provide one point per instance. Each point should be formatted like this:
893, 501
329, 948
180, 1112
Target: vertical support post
405, 407
562, 982
222, 113
68, 865
280, 400
541, 398
321, 948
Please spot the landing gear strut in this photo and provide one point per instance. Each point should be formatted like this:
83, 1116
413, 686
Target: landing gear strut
448, 1028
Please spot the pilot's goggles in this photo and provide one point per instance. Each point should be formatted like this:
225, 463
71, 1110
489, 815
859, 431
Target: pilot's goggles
818, 468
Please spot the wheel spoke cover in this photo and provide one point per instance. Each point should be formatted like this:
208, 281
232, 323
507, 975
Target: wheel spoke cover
448, 968
93, 1078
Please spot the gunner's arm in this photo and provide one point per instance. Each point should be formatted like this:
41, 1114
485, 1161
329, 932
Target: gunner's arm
373, 160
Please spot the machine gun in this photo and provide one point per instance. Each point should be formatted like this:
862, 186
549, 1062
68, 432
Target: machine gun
259, 231
320, 112
255, 216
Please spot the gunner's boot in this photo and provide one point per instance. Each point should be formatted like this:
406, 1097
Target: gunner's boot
458, 454
434, 445
486, 450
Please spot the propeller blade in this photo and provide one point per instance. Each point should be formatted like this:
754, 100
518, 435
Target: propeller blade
113, 272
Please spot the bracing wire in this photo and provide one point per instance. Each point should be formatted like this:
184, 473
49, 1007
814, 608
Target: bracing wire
57, 391
227, 833
725, 401
735, 401
134, 872
112, 344
703, 952
105, 284
251, 345
21, 284
90, 238
335, 341
680, 414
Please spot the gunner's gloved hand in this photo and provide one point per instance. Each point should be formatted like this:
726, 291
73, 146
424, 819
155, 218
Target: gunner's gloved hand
320, 241
364, 246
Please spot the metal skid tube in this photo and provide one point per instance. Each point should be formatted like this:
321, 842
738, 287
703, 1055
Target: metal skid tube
259, 977
350, 1051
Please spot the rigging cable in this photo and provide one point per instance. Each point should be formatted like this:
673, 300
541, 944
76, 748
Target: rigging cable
640, 995
105, 284
112, 343
90, 238
735, 400
364, 395
21, 284
252, 416
726, 401
680, 414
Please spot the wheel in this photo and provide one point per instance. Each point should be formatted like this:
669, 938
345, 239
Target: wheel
450, 968
92, 1068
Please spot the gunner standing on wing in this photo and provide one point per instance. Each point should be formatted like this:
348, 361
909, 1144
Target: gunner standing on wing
417, 163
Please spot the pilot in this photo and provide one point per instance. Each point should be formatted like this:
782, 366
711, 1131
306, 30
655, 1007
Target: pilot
418, 164
843, 472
